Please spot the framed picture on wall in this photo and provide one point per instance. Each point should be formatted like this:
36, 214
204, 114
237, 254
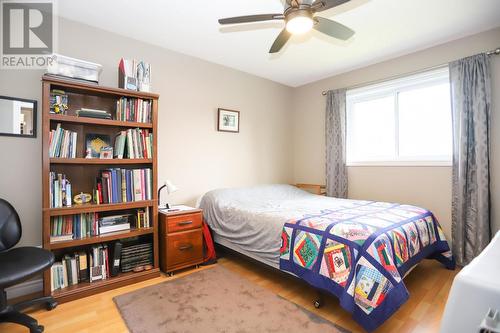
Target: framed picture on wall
228, 121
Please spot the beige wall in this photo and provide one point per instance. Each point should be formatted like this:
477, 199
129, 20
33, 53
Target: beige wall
191, 152
426, 186
282, 129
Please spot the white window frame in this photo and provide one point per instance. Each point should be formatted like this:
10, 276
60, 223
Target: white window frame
393, 88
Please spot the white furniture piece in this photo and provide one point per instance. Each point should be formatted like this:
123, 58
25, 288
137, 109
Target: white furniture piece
475, 290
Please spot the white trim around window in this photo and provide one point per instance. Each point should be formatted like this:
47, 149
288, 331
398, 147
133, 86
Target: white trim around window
373, 139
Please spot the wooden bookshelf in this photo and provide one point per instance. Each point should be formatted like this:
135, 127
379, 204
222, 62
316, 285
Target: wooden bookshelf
82, 172
101, 238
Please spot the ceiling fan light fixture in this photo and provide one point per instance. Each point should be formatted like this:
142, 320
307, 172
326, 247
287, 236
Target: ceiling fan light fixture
299, 23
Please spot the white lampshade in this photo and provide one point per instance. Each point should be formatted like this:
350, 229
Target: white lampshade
171, 188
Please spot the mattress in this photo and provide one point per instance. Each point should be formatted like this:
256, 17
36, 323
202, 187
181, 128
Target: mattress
250, 219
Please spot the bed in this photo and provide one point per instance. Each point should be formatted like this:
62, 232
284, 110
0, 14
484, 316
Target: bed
357, 250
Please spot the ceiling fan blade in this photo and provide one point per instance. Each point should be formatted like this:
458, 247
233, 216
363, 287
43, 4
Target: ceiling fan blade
251, 18
332, 28
321, 5
280, 41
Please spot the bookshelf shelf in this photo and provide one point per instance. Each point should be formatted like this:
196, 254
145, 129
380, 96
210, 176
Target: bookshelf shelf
102, 238
99, 161
91, 208
94, 89
82, 174
90, 288
97, 122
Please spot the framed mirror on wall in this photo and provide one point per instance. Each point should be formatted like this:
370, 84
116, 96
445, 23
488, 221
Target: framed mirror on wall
18, 117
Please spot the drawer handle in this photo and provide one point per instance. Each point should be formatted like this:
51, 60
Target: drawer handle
183, 223
186, 247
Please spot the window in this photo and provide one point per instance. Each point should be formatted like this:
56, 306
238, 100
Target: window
401, 122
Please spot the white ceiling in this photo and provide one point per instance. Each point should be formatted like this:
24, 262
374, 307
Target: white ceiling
384, 29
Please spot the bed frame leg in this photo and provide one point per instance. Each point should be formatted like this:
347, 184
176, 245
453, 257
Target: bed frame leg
319, 301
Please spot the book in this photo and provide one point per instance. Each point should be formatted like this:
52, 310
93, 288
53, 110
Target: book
114, 228
62, 143
119, 149
117, 252
83, 265
93, 113
137, 185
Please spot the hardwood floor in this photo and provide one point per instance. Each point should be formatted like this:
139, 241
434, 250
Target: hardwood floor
428, 284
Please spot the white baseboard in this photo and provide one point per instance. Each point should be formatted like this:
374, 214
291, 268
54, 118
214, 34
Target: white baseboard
25, 288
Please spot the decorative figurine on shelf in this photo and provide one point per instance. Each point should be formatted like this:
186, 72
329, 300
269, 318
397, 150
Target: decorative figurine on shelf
106, 153
88, 153
82, 198
58, 101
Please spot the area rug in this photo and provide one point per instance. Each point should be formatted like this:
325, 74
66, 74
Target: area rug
216, 300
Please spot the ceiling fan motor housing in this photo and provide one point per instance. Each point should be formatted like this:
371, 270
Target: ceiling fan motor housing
291, 12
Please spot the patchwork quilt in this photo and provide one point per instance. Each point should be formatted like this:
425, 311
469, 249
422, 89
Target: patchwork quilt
361, 251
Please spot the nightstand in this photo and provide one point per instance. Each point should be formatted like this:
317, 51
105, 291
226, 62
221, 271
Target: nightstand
181, 239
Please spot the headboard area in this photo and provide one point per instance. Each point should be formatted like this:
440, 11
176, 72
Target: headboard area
313, 188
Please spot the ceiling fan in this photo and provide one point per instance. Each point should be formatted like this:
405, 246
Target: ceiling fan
299, 18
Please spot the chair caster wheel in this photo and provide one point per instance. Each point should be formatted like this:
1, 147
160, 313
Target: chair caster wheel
37, 329
317, 304
51, 305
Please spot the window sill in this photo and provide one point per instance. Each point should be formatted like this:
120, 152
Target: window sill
400, 164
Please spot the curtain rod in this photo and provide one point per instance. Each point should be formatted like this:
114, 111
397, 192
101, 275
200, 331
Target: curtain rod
489, 53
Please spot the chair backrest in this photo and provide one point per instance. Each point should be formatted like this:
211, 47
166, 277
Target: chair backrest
10, 226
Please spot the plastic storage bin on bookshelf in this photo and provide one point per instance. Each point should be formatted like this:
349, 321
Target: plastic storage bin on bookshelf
98, 97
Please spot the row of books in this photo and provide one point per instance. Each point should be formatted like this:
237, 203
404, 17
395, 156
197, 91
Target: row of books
143, 218
134, 143
59, 190
69, 271
81, 267
79, 226
134, 109
62, 143
69, 227
123, 185
123, 222
100, 262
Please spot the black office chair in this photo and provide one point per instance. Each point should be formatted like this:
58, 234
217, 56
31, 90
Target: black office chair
18, 265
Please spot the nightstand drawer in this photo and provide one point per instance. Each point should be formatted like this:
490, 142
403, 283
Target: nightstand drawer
184, 222
184, 248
